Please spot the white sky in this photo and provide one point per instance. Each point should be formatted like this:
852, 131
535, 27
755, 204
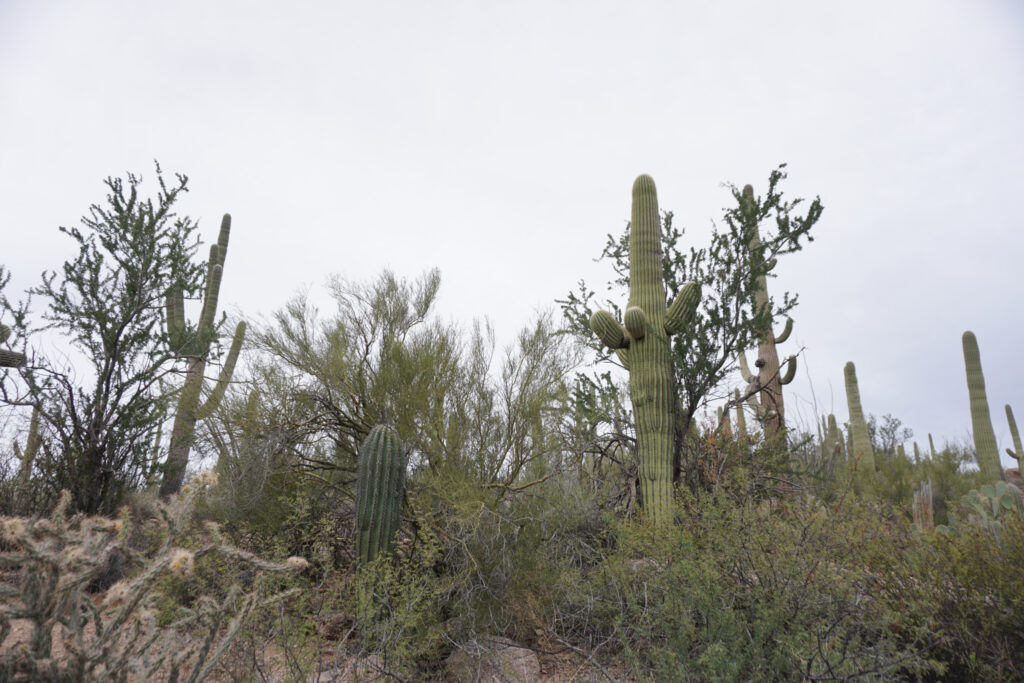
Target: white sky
498, 141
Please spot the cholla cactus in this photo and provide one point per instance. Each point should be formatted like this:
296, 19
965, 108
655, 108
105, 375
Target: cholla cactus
61, 555
641, 341
196, 349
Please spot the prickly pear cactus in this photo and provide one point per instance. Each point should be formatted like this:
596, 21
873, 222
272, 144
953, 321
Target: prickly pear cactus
381, 477
642, 343
981, 421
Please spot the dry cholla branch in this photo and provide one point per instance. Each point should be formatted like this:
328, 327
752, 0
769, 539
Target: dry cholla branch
119, 639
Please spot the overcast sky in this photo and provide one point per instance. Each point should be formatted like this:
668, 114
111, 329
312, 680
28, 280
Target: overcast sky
498, 141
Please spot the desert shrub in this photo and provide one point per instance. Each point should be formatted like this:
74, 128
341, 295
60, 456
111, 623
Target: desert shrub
968, 589
58, 557
771, 590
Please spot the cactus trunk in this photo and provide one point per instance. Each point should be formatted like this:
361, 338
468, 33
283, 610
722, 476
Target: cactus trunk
981, 420
381, 474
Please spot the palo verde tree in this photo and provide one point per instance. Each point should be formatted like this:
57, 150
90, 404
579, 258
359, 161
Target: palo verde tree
100, 409
727, 317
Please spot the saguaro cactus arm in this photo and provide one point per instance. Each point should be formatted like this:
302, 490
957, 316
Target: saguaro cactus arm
608, 330
682, 308
220, 388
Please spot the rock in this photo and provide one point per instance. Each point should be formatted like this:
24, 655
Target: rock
494, 660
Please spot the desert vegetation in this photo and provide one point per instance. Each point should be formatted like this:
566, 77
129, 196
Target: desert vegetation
375, 493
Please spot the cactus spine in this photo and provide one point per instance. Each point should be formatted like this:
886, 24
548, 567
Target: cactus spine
643, 344
196, 349
1018, 451
862, 454
381, 474
981, 421
769, 379
9, 359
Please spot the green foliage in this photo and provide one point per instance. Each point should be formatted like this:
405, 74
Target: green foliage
98, 420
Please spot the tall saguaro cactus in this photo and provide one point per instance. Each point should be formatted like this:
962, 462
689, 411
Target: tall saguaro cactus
769, 380
642, 342
862, 455
195, 347
981, 420
381, 476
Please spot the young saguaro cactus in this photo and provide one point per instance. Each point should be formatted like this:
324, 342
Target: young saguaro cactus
981, 420
642, 343
862, 455
195, 347
769, 380
381, 477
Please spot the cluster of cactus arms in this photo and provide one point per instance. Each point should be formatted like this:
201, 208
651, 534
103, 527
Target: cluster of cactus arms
862, 455
9, 359
981, 421
768, 380
642, 343
195, 347
379, 488
1018, 450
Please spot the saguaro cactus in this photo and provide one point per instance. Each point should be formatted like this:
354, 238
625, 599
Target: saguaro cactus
381, 476
1018, 450
863, 457
642, 342
195, 347
981, 420
768, 380
9, 359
